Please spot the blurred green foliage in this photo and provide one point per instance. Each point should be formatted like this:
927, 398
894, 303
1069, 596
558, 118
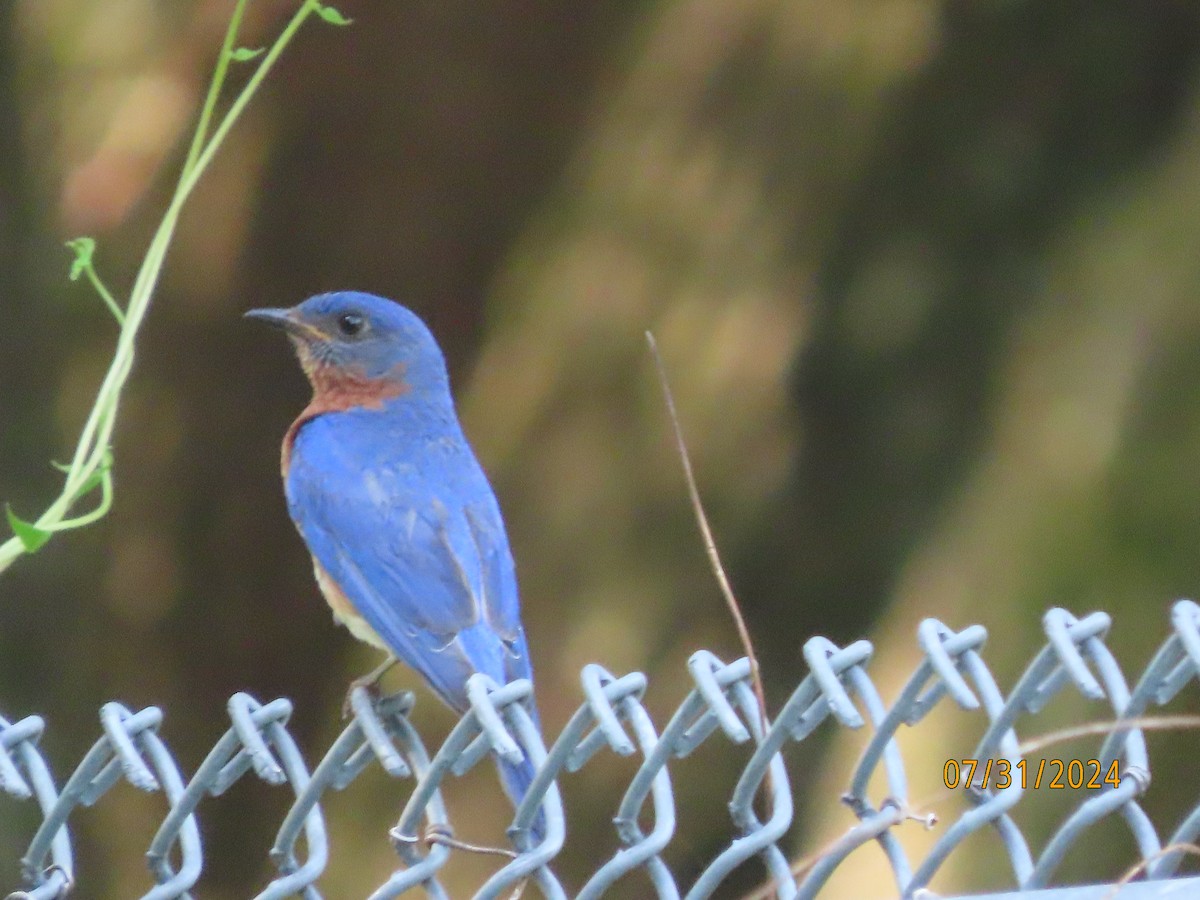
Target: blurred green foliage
923, 274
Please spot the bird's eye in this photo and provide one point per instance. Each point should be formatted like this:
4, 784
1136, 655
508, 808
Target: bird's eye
351, 324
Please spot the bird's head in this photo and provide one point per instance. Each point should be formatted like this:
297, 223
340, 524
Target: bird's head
351, 341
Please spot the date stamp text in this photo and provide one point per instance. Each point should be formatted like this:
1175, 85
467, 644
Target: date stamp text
1056, 774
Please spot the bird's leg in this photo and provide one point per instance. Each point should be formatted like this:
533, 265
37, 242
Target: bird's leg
370, 681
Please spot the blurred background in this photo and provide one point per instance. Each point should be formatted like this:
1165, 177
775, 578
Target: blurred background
924, 275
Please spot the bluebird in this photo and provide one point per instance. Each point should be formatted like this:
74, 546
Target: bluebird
406, 536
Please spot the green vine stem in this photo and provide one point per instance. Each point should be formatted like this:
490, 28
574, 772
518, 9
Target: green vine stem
91, 464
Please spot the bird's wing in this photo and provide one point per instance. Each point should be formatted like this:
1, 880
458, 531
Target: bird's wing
500, 607
421, 553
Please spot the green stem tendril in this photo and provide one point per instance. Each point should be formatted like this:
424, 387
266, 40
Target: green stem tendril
91, 463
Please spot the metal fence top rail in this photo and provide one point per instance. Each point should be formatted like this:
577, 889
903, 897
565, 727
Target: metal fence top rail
837, 691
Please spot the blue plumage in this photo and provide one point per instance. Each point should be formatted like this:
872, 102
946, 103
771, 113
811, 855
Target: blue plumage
407, 526
406, 535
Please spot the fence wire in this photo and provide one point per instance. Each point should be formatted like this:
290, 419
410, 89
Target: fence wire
612, 717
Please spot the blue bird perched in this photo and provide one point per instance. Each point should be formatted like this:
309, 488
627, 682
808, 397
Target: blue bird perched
406, 536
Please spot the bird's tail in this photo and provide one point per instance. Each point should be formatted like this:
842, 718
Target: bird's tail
516, 778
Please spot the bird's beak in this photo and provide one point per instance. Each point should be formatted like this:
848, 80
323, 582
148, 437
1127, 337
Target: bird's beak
288, 321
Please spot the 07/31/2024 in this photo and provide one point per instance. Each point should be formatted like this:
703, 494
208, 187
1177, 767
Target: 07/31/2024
1001, 774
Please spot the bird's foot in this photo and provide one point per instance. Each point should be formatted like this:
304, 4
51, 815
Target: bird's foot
368, 682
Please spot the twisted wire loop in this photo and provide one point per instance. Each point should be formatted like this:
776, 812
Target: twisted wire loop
499, 724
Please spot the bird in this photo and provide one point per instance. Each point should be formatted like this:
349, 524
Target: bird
408, 543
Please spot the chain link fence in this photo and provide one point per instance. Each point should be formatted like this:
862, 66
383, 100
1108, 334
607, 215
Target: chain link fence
837, 690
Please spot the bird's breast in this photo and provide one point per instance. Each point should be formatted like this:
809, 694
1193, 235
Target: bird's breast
340, 389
